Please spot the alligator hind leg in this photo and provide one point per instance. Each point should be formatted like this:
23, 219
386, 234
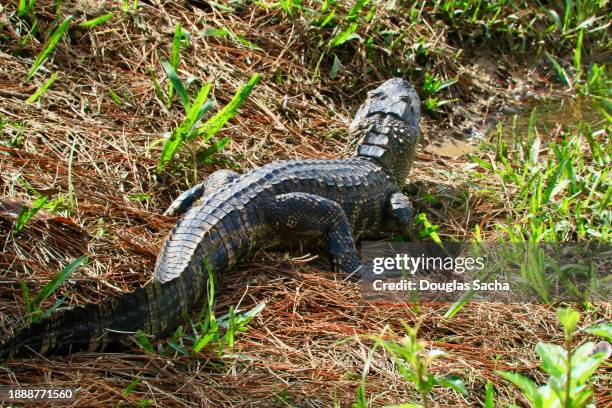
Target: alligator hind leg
212, 183
313, 215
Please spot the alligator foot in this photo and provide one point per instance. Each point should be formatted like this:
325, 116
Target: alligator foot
401, 210
212, 183
313, 215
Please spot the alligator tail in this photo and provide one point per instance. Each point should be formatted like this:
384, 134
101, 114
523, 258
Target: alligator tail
154, 309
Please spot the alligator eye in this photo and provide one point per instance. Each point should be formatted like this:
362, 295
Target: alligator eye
405, 98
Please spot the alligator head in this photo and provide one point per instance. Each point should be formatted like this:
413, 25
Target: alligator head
387, 126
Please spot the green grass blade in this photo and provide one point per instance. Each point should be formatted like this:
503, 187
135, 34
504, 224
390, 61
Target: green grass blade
220, 118
489, 395
22, 9
58, 279
578, 51
53, 308
354, 12
333, 73
185, 130
27, 299
170, 147
49, 47
26, 213
143, 341
174, 60
177, 84
97, 21
344, 36
459, 304
42, 89
156, 86
116, 98
216, 32
559, 70
131, 387
196, 111
553, 181
446, 84
325, 21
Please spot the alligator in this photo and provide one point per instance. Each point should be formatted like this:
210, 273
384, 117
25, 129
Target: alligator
228, 216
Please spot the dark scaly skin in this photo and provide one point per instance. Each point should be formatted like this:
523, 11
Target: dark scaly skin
230, 215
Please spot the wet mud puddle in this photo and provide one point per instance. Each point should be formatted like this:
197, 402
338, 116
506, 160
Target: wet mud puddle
549, 115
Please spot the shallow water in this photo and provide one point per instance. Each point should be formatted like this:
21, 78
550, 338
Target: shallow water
550, 115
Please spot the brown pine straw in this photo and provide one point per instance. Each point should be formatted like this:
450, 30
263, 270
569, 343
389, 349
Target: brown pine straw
312, 340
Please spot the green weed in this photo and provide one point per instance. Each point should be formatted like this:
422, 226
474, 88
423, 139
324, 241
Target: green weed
413, 364
431, 86
129, 6
570, 370
428, 229
127, 391
214, 124
489, 395
190, 128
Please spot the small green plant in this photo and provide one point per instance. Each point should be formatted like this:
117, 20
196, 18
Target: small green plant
25, 213
428, 230
290, 6
190, 128
431, 86
116, 98
570, 370
208, 331
49, 47
489, 395
127, 391
32, 304
602, 330
412, 361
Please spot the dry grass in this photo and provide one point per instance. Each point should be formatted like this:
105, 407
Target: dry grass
311, 340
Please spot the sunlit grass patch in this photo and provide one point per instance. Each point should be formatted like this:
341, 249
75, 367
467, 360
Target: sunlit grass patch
555, 190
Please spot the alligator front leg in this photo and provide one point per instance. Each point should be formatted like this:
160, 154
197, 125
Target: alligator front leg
212, 183
313, 215
400, 209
